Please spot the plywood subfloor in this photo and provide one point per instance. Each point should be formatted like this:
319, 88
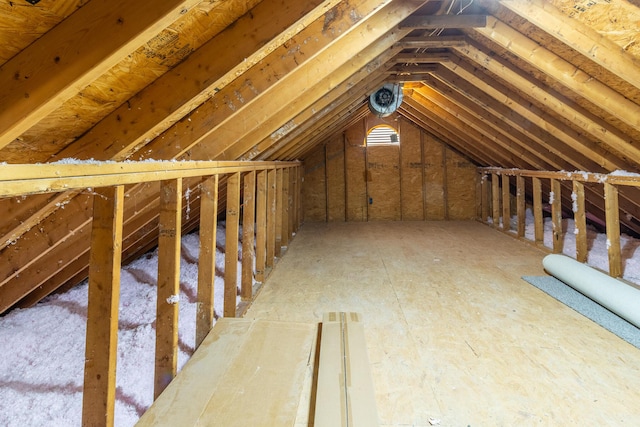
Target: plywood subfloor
455, 336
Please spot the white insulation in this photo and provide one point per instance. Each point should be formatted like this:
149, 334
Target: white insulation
614, 294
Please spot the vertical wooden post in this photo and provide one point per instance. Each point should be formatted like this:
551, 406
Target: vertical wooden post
506, 203
537, 210
271, 217
261, 220
556, 215
520, 205
248, 234
279, 211
484, 197
612, 213
231, 245
292, 193
170, 225
286, 181
495, 199
580, 219
98, 398
207, 259
299, 194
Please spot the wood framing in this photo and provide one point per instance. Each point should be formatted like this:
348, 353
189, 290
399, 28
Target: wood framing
102, 314
580, 219
207, 259
248, 234
73, 54
271, 217
168, 299
231, 244
520, 206
261, 225
613, 229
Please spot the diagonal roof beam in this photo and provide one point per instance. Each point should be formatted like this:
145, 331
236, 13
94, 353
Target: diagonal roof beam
267, 79
205, 72
320, 113
478, 126
324, 91
467, 145
489, 113
553, 101
578, 36
603, 161
510, 113
306, 82
73, 54
564, 72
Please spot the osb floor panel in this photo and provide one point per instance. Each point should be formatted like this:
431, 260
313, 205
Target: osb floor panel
455, 336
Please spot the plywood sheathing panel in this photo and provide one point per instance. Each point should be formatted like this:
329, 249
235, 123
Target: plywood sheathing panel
111, 90
314, 195
334, 153
461, 195
355, 173
616, 20
21, 23
411, 171
434, 177
383, 166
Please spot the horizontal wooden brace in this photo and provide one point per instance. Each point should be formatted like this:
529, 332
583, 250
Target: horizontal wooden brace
47, 178
618, 179
444, 21
404, 78
431, 42
422, 58
413, 69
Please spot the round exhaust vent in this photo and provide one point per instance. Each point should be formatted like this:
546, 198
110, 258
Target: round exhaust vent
386, 99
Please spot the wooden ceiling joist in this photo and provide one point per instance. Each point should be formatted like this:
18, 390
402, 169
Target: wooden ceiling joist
74, 53
422, 57
552, 129
431, 42
444, 21
412, 69
465, 132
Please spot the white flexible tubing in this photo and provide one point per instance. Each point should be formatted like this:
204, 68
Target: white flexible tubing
617, 296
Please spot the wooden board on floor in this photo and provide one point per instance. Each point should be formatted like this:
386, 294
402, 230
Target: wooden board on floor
245, 373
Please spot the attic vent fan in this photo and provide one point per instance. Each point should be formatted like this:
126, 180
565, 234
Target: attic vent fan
386, 99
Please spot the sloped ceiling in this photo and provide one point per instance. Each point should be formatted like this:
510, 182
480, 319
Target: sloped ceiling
530, 84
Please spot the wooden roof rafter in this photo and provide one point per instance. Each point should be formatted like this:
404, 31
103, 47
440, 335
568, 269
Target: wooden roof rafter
325, 70
154, 110
74, 53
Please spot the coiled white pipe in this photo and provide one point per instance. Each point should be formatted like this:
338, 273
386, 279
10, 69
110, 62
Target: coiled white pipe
617, 296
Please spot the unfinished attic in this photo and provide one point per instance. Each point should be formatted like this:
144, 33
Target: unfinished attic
288, 213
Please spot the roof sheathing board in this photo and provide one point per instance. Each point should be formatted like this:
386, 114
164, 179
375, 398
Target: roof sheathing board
21, 23
161, 53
